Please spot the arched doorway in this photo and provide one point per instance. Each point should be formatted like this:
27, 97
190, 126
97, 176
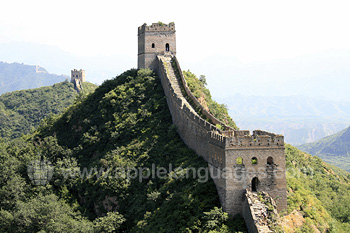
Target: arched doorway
255, 184
167, 48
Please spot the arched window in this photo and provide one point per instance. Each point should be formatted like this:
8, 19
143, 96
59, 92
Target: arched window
167, 47
254, 160
153, 45
270, 160
239, 161
255, 184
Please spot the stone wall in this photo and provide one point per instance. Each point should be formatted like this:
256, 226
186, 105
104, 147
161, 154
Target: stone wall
153, 40
248, 216
78, 74
258, 217
263, 166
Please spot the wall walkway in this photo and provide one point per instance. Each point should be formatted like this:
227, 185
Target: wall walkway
222, 148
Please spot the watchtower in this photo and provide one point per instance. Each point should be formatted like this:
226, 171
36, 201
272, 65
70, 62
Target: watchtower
254, 162
156, 39
77, 74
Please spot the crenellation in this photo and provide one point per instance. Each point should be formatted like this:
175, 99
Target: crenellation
156, 27
77, 78
242, 132
154, 40
78, 74
247, 140
255, 161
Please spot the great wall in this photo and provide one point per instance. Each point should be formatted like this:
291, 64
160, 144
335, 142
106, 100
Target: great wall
239, 162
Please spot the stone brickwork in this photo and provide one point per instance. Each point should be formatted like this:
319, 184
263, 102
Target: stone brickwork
257, 215
237, 159
77, 78
153, 40
78, 74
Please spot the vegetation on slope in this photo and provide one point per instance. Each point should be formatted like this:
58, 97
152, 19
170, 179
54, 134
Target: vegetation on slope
320, 192
124, 124
199, 90
334, 149
20, 111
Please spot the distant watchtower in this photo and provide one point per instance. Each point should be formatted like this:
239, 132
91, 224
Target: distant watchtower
78, 74
77, 78
156, 39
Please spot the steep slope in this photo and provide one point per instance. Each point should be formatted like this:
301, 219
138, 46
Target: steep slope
20, 111
334, 149
17, 76
318, 195
102, 152
198, 88
117, 150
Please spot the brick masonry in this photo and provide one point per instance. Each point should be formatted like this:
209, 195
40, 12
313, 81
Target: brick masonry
237, 159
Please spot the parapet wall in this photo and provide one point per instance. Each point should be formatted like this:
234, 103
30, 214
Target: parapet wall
222, 148
257, 215
156, 27
192, 128
195, 100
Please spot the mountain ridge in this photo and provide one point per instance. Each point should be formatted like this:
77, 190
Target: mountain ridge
22, 110
335, 148
300, 119
16, 76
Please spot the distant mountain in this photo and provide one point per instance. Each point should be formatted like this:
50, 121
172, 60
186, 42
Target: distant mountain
300, 119
323, 74
334, 149
98, 68
285, 106
296, 130
20, 111
17, 76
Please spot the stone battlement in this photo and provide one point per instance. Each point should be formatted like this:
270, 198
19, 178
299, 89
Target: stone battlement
157, 27
222, 149
255, 141
237, 139
78, 74
195, 100
255, 161
77, 78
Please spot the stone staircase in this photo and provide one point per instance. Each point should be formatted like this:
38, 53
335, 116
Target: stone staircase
174, 81
171, 74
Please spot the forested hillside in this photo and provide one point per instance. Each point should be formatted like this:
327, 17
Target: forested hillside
318, 194
125, 125
334, 149
202, 93
21, 111
15, 76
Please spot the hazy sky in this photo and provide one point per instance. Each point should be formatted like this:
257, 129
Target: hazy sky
249, 30
243, 31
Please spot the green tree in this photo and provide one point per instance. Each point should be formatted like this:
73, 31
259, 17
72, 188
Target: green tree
109, 223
